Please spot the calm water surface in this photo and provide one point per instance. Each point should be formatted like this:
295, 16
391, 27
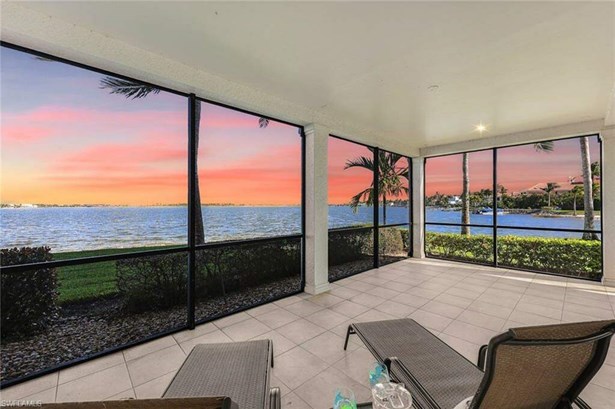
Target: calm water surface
88, 228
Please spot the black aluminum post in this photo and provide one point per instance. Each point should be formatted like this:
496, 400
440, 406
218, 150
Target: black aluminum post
410, 221
424, 207
599, 137
495, 207
303, 244
375, 203
192, 182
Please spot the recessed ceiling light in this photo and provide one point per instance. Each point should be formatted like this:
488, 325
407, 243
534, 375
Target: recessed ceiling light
480, 128
433, 88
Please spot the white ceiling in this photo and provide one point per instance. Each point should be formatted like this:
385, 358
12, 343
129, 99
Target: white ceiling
511, 65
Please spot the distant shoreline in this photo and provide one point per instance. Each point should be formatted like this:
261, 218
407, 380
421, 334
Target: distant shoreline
46, 206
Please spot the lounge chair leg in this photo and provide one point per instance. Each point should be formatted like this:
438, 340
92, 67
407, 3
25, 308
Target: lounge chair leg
272, 355
350, 331
482, 355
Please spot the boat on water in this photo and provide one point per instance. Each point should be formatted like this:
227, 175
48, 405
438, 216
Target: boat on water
487, 211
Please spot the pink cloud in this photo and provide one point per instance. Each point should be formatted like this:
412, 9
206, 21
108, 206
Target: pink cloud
125, 183
126, 153
23, 133
49, 122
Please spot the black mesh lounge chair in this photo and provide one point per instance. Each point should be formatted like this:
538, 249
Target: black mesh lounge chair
239, 370
533, 367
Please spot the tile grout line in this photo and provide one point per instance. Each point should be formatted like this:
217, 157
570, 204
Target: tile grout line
55, 397
515, 307
455, 319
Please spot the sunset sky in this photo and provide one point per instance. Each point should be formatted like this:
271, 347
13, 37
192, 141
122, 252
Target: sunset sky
519, 167
66, 141
343, 184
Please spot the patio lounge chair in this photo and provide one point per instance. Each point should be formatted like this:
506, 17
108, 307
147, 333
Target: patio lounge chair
532, 367
239, 370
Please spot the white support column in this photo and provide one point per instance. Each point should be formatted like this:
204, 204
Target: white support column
608, 204
418, 214
316, 210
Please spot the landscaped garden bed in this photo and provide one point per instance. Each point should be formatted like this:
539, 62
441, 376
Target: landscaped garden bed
53, 316
85, 329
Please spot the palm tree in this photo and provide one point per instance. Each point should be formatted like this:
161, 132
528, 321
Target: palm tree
595, 169
575, 192
588, 194
390, 180
465, 196
549, 189
544, 146
501, 191
136, 90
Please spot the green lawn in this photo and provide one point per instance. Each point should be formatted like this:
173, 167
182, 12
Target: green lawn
89, 281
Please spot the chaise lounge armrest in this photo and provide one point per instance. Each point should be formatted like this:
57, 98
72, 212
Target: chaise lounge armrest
275, 398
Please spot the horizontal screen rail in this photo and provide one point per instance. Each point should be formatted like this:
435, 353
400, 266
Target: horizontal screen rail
257, 240
89, 260
137, 254
486, 226
490, 226
358, 228
549, 229
394, 225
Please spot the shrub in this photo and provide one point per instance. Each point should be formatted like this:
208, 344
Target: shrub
235, 266
405, 236
350, 245
152, 282
28, 298
571, 257
158, 282
454, 246
393, 241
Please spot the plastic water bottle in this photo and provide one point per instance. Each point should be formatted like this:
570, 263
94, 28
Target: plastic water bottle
378, 374
344, 399
391, 395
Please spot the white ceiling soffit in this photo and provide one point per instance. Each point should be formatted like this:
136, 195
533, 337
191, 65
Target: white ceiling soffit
513, 66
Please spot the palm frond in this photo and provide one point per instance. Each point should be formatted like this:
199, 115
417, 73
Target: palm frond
544, 146
365, 196
360, 162
263, 122
41, 58
128, 88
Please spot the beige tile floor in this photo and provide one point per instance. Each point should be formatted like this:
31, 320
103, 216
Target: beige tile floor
464, 305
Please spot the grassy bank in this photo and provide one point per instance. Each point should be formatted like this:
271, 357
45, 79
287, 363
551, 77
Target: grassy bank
89, 281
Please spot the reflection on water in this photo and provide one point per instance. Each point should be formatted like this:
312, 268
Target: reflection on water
88, 228
517, 220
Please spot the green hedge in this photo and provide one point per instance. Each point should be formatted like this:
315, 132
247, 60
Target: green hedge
346, 246
159, 282
477, 248
391, 242
29, 297
572, 257
152, 282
